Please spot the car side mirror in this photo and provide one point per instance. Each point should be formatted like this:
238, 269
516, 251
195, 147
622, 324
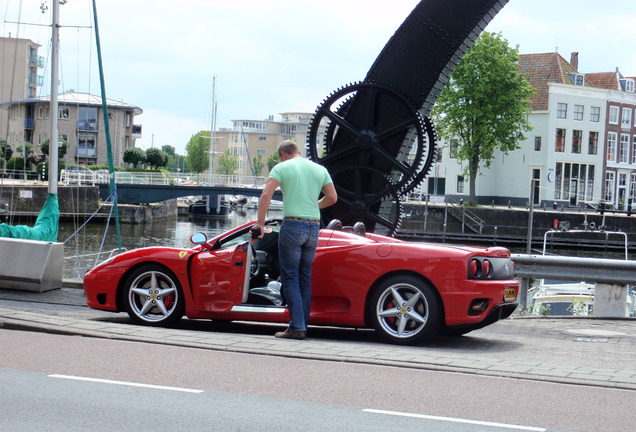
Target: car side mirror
199, 238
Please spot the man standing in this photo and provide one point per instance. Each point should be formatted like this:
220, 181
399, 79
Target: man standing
301, 181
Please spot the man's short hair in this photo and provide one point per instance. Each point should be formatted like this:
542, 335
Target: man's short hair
288, 147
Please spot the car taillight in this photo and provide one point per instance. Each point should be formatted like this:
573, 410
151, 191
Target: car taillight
485, 268
474, 267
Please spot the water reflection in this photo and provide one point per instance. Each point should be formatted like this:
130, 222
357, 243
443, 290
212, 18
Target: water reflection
82, 250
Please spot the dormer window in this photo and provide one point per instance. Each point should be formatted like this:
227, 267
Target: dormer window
577, 79
629, 85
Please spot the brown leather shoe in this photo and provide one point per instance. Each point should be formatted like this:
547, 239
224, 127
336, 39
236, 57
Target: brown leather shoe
291, 334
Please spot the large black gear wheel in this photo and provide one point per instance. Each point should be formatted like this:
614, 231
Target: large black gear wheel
370, 124
381, 211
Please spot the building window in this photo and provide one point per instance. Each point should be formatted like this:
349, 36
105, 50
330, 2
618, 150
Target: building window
128, 119
261, 152
43, 112
559, 143
595, 114
610, 181
460, 184
612, 137
613, 115
629, 85
592, 143
86, 145
578, 112
562, 110
454, 148
437, 186
87, 119
632, 187
634, 149
262, 138
63, 113
537, 143
626, 119
577, 138
574, 182
623, 152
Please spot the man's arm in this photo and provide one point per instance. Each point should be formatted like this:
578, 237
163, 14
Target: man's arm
264, 201
330, 196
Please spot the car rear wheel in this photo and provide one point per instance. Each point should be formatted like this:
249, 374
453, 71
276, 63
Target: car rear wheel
152, 295
405, 310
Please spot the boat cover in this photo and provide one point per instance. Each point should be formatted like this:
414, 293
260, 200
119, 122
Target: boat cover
45, 228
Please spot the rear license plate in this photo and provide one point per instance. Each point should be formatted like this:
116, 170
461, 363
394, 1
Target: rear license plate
510, 294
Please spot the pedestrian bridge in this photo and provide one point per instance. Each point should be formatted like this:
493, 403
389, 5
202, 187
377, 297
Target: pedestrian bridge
128, 193
145, 188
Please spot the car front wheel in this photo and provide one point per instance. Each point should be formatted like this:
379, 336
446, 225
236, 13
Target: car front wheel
152, 295
405, 310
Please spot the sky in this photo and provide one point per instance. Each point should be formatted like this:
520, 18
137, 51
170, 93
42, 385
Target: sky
272, 56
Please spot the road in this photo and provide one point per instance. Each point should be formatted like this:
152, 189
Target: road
180, 388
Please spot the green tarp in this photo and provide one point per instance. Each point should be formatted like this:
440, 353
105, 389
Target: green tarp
45, 228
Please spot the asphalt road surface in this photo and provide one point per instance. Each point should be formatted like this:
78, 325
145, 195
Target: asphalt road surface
69, 383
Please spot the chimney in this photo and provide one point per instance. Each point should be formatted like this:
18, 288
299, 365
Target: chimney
574, 60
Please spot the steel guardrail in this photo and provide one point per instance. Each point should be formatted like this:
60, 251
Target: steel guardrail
604, 270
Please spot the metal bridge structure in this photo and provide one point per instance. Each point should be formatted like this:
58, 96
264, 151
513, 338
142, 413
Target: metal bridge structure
128, 193
375, 136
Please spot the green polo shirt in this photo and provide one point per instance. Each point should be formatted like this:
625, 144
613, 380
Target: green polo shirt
301, 181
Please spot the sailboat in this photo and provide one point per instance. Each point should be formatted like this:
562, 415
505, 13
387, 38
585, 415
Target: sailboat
211, 205
37, 245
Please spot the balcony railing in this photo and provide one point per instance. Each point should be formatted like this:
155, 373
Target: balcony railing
36, 61
87, 125
85, 152
37, 80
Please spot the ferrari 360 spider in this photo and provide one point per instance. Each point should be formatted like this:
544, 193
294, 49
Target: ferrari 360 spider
407, 291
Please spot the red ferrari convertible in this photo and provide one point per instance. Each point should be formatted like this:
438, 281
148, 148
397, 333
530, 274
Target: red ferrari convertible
408, 292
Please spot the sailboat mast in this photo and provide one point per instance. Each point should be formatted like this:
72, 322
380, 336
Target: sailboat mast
212, 142
55, 61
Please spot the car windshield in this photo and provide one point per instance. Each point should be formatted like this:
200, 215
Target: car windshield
244, 235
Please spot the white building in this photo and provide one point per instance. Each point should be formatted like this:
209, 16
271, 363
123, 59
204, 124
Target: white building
582, 148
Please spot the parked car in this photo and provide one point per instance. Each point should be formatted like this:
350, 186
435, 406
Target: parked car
408, 292
77, 174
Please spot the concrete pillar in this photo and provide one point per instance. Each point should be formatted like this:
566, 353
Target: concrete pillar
610, 301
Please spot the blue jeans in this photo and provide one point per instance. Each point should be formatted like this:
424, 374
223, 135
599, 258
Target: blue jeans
297, 242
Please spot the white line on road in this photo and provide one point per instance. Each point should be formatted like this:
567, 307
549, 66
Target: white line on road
455, 420
125, 383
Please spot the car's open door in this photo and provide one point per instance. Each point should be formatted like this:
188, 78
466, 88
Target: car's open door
220, 278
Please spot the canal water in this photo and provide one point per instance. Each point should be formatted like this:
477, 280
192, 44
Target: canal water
84, 247
89, 245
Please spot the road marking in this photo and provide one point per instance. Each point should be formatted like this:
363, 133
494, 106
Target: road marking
455, 420
126, 383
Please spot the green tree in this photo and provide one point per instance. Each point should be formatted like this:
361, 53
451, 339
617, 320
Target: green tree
228, 163
61, 147
169, 150
272, 161
16, 163
198, 152
258, 165
5, 151
485, 104
134, 156
156, 158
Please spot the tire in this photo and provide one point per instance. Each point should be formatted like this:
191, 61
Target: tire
153, 296
416, 320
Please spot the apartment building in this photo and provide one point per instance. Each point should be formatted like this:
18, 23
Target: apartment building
20, 66
249, 138
582, 148
80, 123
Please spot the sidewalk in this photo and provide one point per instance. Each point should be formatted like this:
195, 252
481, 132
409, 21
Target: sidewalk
584, 351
